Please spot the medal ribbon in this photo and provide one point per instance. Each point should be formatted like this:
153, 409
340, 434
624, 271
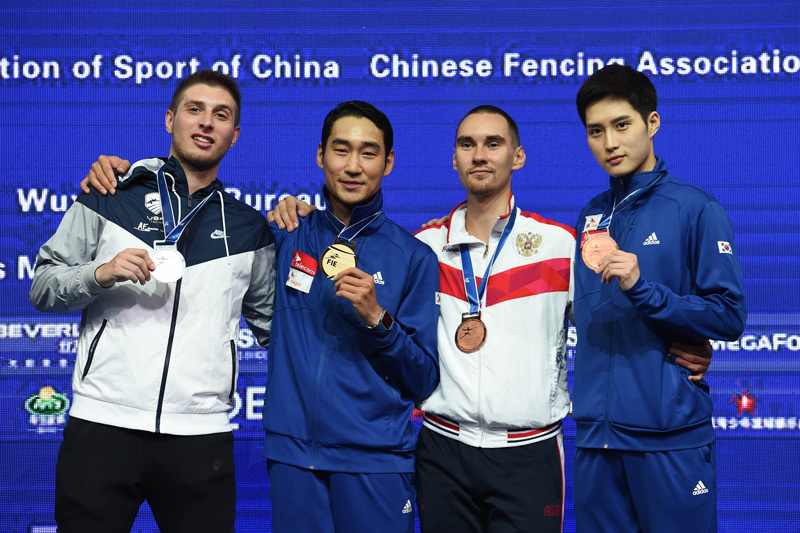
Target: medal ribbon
475, 295
172, 231
348, 233
610, 209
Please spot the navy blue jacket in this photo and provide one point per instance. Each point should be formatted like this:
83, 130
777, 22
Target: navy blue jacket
628, 393
339, 397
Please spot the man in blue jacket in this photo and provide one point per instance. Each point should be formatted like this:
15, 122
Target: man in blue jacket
353, 346
658, 264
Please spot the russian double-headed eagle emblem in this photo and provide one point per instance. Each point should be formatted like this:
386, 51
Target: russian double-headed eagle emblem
527, 244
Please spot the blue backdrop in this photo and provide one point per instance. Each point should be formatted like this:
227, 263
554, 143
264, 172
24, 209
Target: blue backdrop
77, 82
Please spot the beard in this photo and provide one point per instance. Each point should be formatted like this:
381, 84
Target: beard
483, 188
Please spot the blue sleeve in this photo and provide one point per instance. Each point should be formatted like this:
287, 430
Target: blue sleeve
279, 235
409, 349
716, 309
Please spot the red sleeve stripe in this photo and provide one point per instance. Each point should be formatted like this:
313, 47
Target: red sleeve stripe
543, 220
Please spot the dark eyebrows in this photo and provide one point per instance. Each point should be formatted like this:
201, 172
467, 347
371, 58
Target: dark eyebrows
366, 144
614, 121
489, 139
200, 103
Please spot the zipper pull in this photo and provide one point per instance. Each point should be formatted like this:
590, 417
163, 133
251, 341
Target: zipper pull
486, 251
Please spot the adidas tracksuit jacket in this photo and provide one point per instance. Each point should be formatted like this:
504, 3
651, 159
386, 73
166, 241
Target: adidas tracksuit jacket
512, 391
159, 357
339, 397
628, 393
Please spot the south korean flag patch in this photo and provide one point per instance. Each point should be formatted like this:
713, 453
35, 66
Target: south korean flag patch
724, 247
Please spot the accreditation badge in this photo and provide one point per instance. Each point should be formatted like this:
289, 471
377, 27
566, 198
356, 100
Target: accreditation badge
301, 272
170, 264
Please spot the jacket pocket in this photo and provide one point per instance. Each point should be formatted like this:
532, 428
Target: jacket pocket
92, 348
234, 363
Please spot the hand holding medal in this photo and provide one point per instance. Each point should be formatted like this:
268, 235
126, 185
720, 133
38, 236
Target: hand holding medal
133, 264
358, 287
621, 265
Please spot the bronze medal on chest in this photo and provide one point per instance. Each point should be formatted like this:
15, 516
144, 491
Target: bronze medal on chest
471, 333
336, 258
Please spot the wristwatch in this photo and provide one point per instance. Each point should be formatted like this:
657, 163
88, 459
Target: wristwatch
385, 322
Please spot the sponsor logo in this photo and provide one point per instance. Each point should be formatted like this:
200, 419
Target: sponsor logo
552, 510
408, 508
591, 222
451, 248
724, 247
652, 239
47, 409
152, 203
218, 234
699, 489
378, 278
527, 244
145, 227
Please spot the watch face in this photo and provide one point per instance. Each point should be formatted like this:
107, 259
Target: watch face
387, 320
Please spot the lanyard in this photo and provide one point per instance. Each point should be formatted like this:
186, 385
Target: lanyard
348, 233
173, 231
475, 295
610, 209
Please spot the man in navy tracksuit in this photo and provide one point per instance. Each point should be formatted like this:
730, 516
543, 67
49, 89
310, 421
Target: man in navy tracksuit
353, 346
645, 457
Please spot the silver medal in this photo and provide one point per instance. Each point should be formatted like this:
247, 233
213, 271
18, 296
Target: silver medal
170, 264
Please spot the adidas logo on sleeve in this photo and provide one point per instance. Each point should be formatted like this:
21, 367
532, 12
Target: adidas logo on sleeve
408, 508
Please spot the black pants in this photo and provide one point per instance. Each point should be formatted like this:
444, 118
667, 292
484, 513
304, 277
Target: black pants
466, 489
104, 473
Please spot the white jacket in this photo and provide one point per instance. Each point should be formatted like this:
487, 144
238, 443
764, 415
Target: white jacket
159, 357
512, 391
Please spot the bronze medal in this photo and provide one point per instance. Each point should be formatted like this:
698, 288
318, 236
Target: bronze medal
596, 248
336, 258
471, 333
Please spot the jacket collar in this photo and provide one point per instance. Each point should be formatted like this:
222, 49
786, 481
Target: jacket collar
637, 181
148, 168
457, 225
360, 214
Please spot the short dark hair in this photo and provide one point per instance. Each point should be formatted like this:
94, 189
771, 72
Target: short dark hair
359, 109
214, 79
494, 110
619, 82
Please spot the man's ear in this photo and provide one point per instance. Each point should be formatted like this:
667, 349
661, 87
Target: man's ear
168, 120
320, 156
653, 123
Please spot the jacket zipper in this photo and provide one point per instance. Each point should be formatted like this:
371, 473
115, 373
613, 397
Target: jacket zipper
92, 348
233, 369
160, 406
622, 236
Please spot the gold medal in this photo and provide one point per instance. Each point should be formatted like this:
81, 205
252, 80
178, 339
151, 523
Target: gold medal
596, 248
471, 333
337, 257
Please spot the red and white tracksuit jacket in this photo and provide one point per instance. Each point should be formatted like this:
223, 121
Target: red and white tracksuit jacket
512, 391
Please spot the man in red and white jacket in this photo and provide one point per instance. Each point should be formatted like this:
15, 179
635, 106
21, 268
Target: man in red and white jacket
490, 453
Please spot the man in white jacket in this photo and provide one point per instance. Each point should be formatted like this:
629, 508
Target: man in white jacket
162, 271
